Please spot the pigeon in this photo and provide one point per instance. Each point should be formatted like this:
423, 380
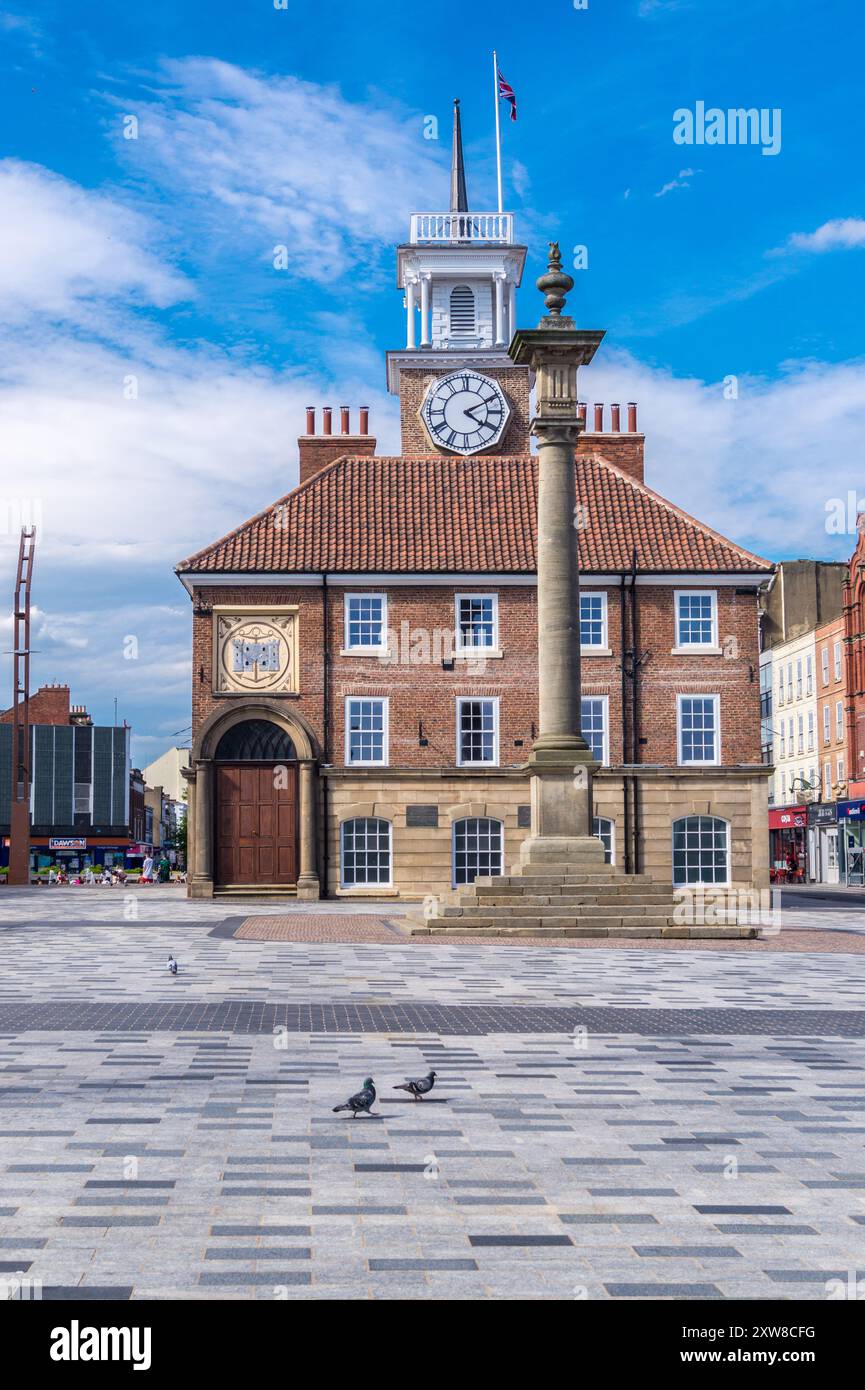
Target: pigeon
172, 965
361, 1101
418, 1086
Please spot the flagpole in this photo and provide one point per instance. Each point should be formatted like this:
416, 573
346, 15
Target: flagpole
498, 128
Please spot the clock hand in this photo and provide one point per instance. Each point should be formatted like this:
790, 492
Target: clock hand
470, 410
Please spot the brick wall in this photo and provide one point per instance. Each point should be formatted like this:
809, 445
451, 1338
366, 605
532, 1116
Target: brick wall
315, 451
514, 382
48, 705
420, 691
625, 450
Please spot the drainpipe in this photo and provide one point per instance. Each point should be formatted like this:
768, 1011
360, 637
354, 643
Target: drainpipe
635, 717
626, 781
325, 741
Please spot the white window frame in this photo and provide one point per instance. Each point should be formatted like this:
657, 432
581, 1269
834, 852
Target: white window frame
364, 887
685, 649
493, 820
607, 820
459, 648
800, 733
362, 650
605, 703
809, 674
478, 699
714, 883
368, 762
824, 665
798, 677
781, 688
839, 721
827, 778
601, 648
810, 731
838, 661
827, 724
698, 762
840, 768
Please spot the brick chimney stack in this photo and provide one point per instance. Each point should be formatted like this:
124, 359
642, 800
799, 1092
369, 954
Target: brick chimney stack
48, 705
316, 451
623, 448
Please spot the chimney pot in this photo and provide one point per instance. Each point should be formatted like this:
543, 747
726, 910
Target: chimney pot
632, 416
616, 420
364, 419
599, 418
327, 420
582, 407
344, 419
310, 419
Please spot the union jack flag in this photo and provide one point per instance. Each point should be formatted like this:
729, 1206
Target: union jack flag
506, 93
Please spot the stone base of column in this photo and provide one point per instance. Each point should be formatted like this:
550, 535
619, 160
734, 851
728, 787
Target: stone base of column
565, 852
561, 795
199, 888
308, 888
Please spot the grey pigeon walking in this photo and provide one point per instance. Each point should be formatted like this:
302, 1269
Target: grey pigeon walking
362, 1100
418, 1086
172, 965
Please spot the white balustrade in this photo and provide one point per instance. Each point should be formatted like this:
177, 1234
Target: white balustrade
462, 226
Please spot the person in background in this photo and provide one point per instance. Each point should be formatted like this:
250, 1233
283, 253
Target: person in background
147, 869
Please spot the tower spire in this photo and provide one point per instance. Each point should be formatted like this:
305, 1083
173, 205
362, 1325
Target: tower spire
459, 196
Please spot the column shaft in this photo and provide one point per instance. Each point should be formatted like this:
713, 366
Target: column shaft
410, 337
558, 589
500, 314
307, 879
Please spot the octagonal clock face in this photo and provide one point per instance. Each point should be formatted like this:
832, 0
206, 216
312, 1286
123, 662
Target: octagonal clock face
465, 412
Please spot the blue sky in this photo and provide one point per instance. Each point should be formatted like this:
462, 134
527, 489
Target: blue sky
156, 365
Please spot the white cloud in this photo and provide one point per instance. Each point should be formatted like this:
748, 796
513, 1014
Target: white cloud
64, 250
839, 234
761, 468
263, 161
680, 181
124, 483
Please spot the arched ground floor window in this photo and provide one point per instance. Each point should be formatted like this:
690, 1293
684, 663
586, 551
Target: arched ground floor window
605, 830
477, 849
701, 850
365, 853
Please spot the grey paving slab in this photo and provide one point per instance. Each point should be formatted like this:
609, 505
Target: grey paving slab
544, 1167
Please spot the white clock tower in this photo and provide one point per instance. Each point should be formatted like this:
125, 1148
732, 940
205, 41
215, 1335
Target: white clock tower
460, 271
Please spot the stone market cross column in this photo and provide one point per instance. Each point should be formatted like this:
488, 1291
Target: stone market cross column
561, 763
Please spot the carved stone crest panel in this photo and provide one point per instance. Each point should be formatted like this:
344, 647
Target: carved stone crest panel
255, 651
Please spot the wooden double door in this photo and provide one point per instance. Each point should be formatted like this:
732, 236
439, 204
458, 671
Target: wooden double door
256, 823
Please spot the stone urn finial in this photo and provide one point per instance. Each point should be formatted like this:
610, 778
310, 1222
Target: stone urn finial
556, 283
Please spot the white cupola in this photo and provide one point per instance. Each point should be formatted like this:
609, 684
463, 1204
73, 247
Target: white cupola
459, 271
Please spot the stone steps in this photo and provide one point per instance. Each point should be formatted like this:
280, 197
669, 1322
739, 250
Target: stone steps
601, 911
565, 927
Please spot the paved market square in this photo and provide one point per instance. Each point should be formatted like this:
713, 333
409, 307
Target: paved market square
606, 1124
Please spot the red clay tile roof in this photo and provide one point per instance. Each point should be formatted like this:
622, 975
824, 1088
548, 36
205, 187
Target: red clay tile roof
455, 515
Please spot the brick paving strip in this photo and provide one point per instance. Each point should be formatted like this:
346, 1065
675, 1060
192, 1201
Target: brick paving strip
316, 927
255, 1017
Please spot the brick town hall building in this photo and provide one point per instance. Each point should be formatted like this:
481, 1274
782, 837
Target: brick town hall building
365, 650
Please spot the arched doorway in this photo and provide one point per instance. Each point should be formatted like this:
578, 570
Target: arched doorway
256, 806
